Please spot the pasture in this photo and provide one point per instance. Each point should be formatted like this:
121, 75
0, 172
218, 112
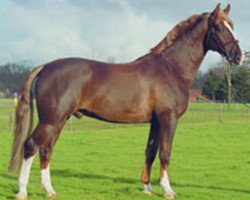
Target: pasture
94, 160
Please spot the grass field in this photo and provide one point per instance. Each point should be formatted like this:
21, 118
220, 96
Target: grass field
100, 161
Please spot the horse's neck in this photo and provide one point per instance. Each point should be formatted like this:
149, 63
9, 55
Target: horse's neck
185, 55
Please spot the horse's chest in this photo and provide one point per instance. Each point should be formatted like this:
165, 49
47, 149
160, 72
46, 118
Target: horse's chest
172, 98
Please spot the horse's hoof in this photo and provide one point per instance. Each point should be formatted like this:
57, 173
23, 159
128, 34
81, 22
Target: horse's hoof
169, 196
21, 197
147, 192
147, 189
52, 196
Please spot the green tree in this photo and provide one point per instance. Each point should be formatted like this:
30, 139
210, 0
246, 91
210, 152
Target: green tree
241, 84
12, 76
221, 93
198, 80
213, 86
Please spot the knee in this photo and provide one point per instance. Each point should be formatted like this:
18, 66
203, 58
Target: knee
164, 158
30, 148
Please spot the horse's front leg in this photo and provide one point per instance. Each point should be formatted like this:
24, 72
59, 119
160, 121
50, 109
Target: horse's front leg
167, 124
150, 153
45, 152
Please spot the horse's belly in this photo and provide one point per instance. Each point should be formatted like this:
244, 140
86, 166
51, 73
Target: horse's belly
130, 117
119, 115
130, 104
125, 116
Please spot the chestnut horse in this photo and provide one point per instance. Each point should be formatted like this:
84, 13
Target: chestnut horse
152, 89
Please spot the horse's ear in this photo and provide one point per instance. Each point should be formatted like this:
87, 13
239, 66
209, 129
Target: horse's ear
216, 11
227, 9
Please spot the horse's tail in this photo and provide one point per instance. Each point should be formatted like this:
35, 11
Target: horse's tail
24, 120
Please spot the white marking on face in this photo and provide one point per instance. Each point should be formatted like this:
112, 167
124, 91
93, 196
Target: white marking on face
46, 180
231, 30
24, 175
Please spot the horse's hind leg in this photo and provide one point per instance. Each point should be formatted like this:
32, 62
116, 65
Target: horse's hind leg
42, 139
152, 148
30, 149
24, 178
45, 154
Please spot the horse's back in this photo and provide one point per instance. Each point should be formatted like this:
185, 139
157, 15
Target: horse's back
113, 92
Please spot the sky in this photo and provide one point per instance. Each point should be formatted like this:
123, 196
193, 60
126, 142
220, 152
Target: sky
44, 30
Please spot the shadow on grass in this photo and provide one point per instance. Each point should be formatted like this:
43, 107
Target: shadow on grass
80, 175
212, 188
76, 174
11, 190
8, 176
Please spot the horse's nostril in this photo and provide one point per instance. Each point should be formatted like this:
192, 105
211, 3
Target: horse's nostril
238, 58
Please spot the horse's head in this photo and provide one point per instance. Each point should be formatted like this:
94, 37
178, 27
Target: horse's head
220, 36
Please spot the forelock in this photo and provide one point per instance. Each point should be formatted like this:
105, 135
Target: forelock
223, 17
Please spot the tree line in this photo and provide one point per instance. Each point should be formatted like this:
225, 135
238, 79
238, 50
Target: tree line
225, 83
214, 83
12, 76
216, 88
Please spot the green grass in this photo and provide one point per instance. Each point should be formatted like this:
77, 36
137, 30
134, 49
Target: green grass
101, 161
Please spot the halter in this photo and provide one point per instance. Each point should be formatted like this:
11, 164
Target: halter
233, 41
222, 45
